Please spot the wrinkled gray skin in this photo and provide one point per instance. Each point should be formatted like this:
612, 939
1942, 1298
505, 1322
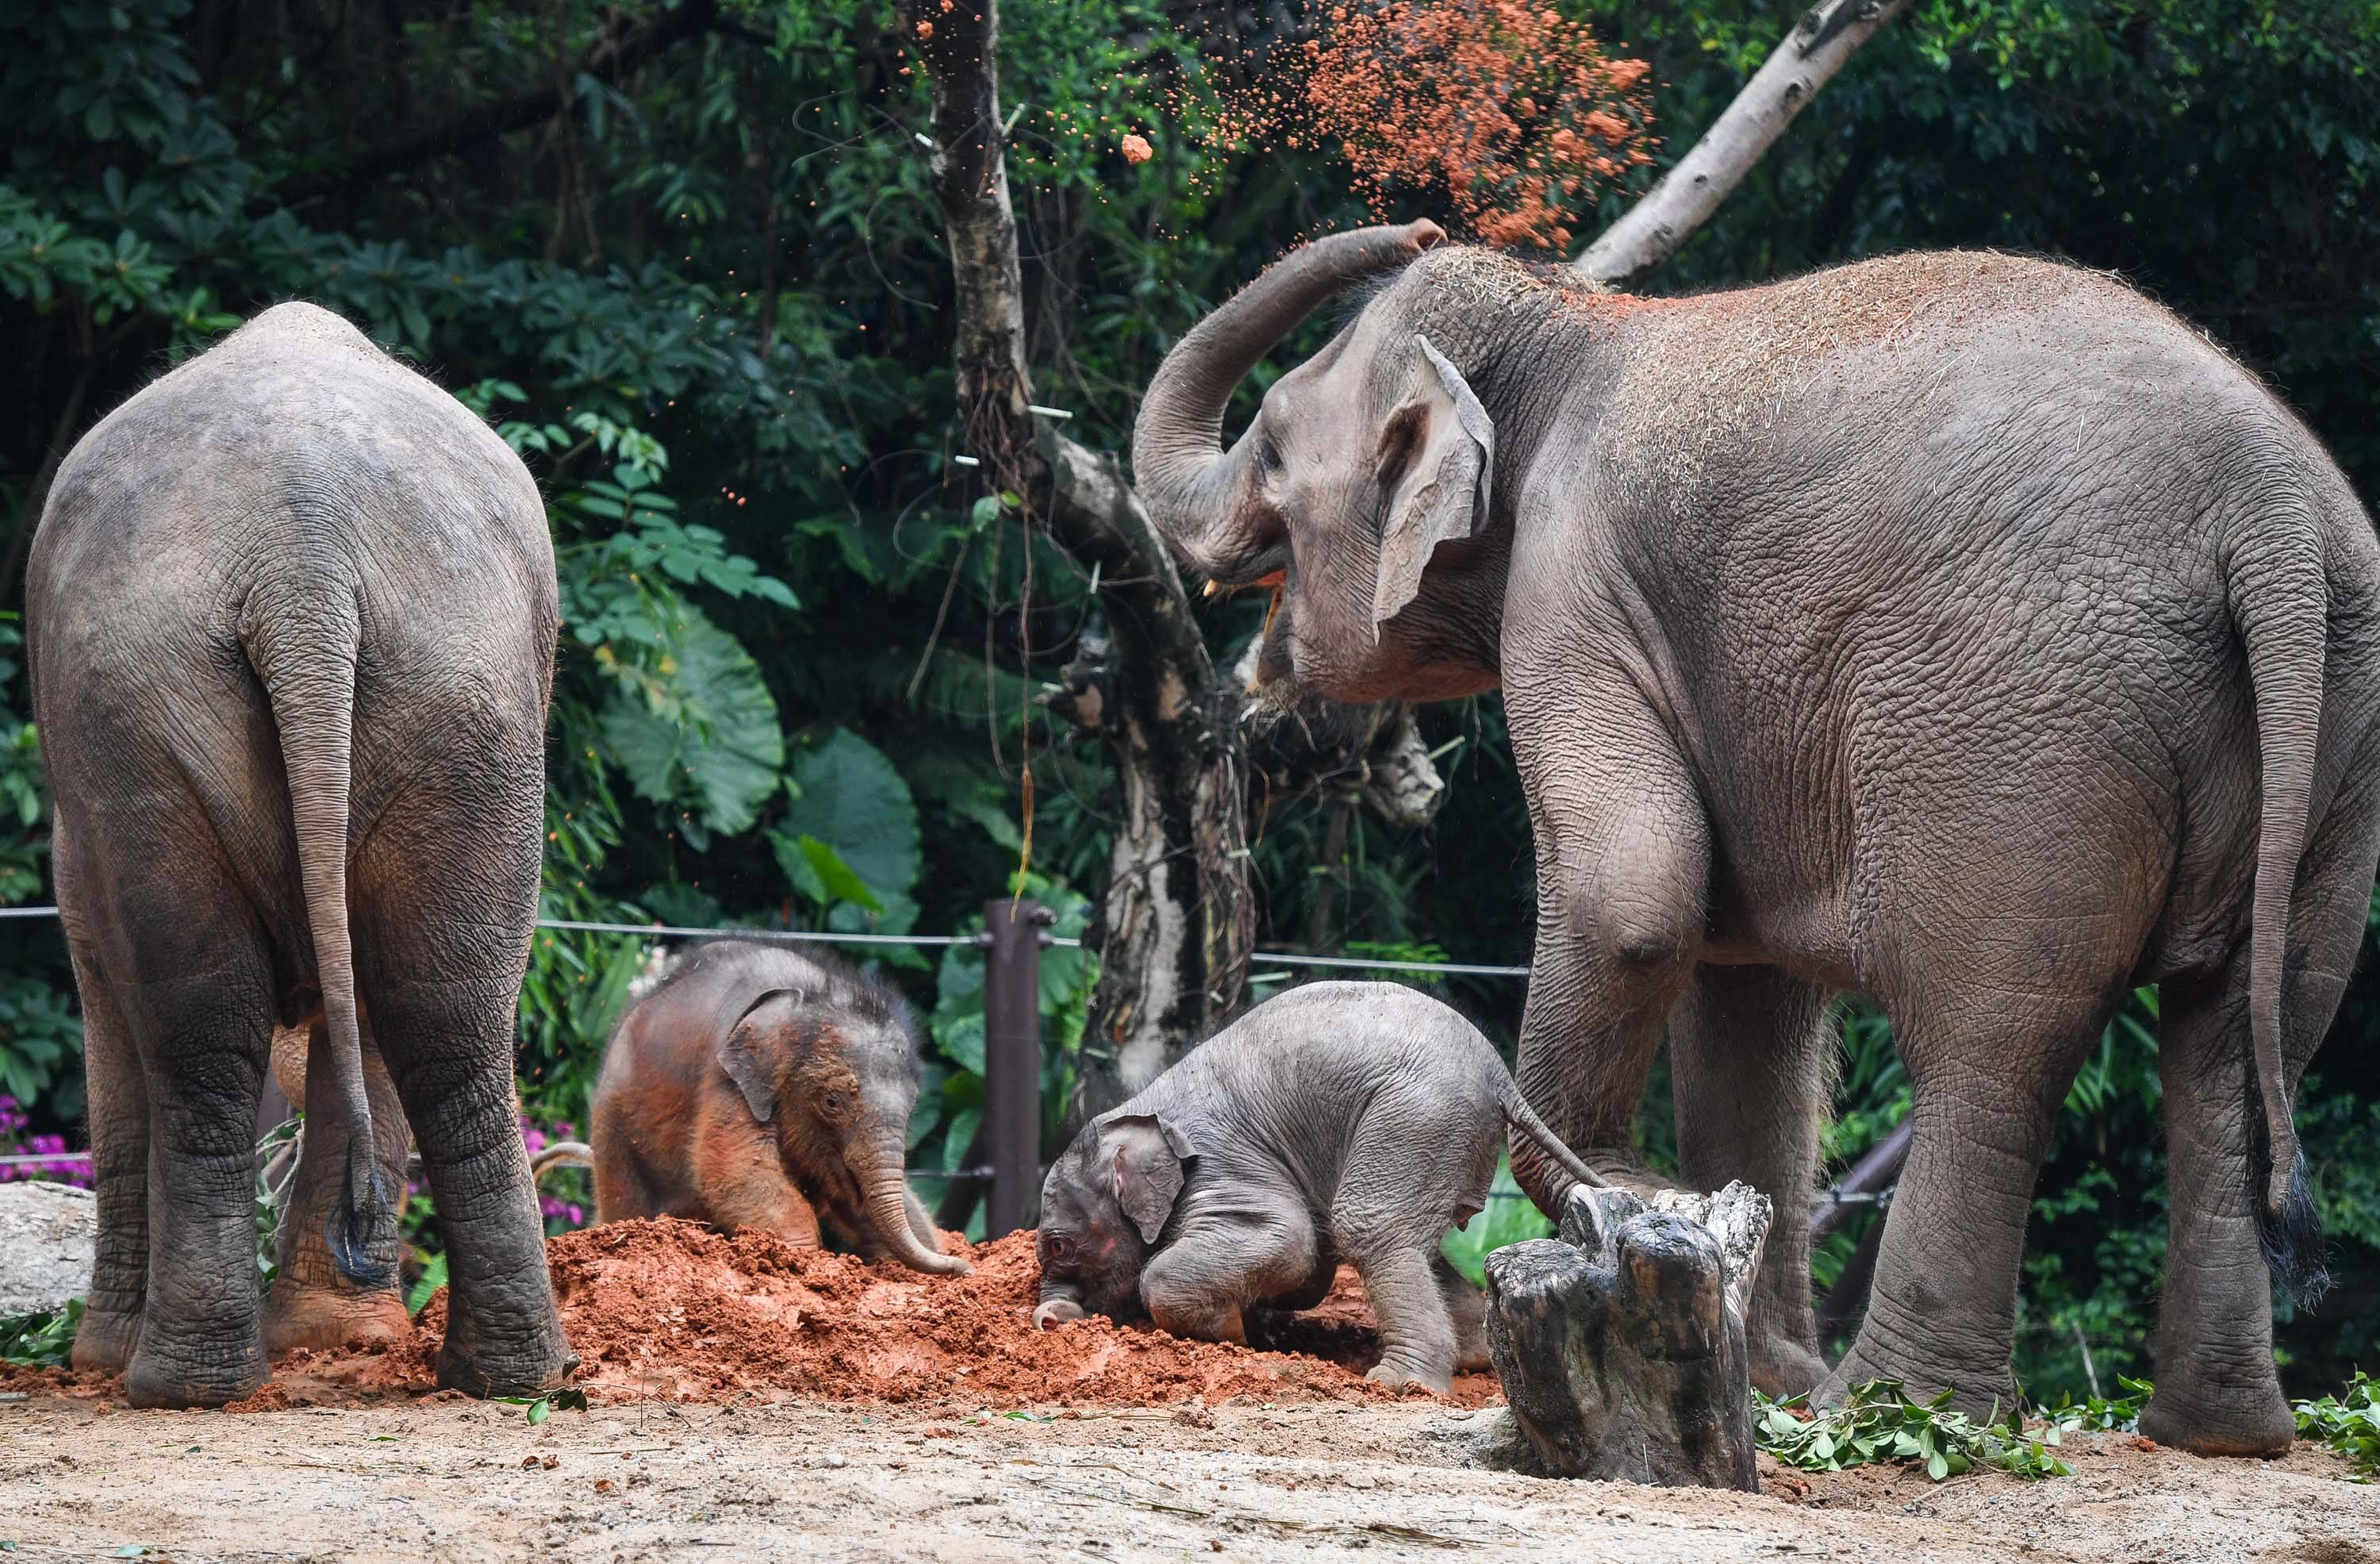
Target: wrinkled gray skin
291, 618
1356, 1120
762, 1087
1960, 630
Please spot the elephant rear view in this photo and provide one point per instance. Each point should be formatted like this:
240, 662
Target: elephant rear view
291, 618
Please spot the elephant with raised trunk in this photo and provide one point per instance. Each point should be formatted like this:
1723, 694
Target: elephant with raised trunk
1960, 630
291, 623
761, 1087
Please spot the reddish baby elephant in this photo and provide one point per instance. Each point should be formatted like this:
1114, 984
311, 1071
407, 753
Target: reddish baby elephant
761, 1088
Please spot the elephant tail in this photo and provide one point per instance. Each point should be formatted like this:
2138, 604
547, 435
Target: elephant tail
561, 1153
303, 645
1542, 1164
2280, 602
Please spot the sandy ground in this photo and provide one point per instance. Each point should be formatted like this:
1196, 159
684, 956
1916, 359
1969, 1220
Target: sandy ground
438, 1479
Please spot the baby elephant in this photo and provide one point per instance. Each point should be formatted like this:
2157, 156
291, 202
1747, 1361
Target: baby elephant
758, 1087
1341, 1118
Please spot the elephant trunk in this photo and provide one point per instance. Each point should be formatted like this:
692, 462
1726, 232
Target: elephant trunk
885, 1192
1059, 1302
1183, 475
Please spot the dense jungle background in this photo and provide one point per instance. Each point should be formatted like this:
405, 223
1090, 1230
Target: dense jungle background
686, 256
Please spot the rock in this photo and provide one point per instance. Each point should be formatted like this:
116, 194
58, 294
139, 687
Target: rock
46, 1235
1620, 1343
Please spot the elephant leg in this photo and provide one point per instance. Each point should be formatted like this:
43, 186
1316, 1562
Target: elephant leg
1623, 868
1419, 1343
1467, 1307
743, 1183
118, 1098
446, 901
449, 1046
311, 1306
1748, 1048
204, 1036
1987, 1081
1199, 1285
2216, 1391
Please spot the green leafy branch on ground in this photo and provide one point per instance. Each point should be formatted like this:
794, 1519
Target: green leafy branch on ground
1879, 1422
42, 1339
2349, 1424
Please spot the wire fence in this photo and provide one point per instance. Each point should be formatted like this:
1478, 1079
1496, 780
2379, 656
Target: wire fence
1838, 1196
836, 937
47, 1160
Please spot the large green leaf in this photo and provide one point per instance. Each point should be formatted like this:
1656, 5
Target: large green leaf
854, 801
699, 727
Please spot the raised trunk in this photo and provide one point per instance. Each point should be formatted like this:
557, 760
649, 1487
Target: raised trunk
1184, 474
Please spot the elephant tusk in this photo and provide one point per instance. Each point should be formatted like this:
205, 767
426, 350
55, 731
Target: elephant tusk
1273, 580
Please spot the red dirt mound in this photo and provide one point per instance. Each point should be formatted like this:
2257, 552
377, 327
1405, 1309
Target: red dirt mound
675, 1311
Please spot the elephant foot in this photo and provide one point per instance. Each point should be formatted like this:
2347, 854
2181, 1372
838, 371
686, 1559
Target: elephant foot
2248, 1422
1979, 1394
1469, 1307
1784, 1369
1396, 1376
106, 1341
156, 1378
325, 1318
470, 1362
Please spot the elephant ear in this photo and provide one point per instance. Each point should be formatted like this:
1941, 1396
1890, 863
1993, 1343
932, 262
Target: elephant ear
1437, 456
748, 1055
1148, 1153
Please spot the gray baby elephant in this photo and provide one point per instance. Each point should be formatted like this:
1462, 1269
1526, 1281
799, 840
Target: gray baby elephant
1355, 1120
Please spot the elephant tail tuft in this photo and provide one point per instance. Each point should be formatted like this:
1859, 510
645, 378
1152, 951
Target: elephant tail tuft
2291, 1239
303, 643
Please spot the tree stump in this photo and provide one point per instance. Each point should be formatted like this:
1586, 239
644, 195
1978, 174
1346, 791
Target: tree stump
1621, 1344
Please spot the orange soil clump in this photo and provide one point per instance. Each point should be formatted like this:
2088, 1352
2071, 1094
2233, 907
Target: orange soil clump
675, 1311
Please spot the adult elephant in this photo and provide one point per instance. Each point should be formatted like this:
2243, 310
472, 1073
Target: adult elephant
291, 620
1957, 628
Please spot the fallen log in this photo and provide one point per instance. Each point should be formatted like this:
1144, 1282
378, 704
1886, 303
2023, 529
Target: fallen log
1620, 1343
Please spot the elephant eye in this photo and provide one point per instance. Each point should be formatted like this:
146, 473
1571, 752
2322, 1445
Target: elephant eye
1268, 455
1060, 1246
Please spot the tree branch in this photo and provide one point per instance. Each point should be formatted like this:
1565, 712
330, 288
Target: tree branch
1651, 231
617, 50
1176, 920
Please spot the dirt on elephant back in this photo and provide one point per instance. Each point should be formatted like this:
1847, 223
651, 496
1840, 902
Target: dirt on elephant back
673, 1311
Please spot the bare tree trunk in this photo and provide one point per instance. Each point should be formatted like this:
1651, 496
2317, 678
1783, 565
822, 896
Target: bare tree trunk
1175, 920
1651, 231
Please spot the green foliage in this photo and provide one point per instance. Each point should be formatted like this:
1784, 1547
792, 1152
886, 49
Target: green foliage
853, 803
2122, 1413
1879, 1422
2349, 1424
42, 1340
41, 1044
1508, 1217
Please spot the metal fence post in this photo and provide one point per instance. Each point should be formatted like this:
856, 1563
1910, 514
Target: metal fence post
1012, 1059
